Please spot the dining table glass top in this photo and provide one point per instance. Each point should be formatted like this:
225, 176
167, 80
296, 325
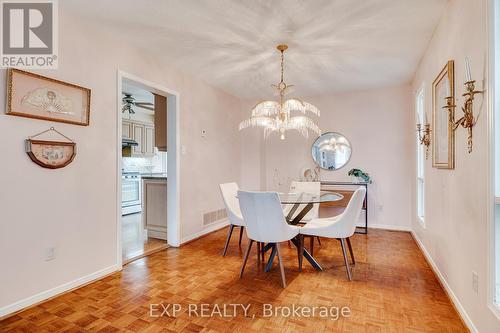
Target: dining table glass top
307, 198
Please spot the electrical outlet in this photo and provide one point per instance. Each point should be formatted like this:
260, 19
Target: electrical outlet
380, 208
475, 282
50, 253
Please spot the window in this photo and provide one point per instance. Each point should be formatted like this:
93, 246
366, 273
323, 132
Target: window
421, 119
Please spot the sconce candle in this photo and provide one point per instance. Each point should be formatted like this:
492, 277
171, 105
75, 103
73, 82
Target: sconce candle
468, 75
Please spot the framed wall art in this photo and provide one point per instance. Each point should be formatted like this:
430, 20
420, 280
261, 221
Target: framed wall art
51, 154
39, 97
443, 100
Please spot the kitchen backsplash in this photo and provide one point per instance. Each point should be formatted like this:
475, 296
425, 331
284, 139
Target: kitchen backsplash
155, 164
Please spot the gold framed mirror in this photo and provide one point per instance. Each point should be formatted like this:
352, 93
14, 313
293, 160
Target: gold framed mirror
443, 92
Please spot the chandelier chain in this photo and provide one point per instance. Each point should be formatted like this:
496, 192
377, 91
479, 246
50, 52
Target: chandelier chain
282, 66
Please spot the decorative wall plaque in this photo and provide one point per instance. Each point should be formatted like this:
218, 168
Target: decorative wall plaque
49, 153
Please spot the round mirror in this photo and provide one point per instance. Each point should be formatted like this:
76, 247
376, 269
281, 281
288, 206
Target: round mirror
331, 151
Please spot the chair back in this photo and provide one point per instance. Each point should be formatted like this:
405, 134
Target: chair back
229, 193
264, 219
346, 225
313, 188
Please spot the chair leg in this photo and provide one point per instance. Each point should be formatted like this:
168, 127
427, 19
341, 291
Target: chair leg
241, 234
246, 257
319, 240
311, 245
259, 244
350, 250
262, 253
300, 251
344, 252
282, 270
231, 227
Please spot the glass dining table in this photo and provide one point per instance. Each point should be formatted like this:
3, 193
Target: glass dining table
301, 203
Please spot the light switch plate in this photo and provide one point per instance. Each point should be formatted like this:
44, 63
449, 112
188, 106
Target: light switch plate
50, 253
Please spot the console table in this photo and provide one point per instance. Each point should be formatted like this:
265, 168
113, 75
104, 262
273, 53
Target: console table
359, 230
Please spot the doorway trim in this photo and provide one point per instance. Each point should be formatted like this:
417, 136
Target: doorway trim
173, 164
492, 15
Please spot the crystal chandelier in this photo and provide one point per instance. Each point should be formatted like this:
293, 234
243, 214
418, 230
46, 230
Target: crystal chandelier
277, 116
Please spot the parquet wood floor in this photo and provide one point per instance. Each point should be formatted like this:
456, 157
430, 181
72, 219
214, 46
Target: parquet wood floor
394, 290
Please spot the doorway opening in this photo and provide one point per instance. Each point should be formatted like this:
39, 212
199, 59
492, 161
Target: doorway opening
147, 164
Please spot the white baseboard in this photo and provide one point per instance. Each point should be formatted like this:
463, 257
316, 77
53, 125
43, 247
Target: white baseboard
207, 230
388, 227
445, 284
19, 305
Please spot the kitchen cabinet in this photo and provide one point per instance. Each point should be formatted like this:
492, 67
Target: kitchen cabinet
126, 130
138, 136
154, 207
143, 134
161, 122
149, 140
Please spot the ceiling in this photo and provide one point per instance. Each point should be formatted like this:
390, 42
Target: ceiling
335, 45
140, 94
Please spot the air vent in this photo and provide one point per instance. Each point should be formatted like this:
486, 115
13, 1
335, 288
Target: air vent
215, 216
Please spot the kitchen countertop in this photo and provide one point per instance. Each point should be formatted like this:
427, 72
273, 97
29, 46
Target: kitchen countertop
154, 176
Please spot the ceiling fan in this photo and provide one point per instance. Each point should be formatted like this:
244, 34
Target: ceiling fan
129, 101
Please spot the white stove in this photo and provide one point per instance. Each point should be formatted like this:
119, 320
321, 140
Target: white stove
131, 193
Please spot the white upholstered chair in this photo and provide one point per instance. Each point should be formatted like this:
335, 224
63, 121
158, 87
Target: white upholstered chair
340, 227
265, 223
229, 192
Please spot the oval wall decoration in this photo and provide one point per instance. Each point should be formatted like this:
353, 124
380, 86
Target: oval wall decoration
51, 154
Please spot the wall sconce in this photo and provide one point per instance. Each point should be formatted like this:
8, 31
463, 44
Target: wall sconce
467, 121
424, 136
450, 106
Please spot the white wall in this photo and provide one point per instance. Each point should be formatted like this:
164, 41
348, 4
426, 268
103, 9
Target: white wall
74, 208
495, 59
252, 172
455, 237
379, 125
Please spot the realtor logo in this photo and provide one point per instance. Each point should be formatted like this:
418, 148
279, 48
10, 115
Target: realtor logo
29, 34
